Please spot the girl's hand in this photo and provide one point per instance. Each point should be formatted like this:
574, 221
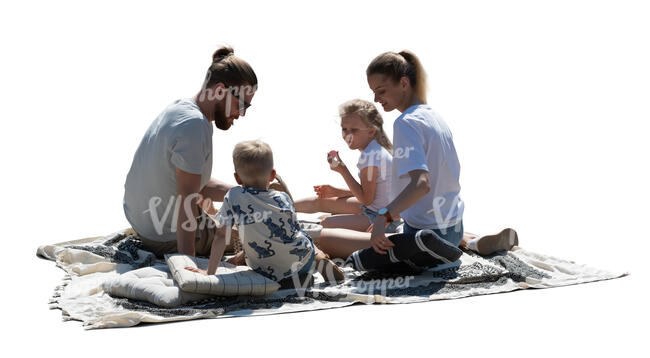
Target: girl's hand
325, 191
336, 164
197, 270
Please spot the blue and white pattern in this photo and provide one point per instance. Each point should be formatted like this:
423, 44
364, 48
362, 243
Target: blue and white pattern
301, 252
278, 231
262, 252
269, 230
285, 207
268, 272
253, 191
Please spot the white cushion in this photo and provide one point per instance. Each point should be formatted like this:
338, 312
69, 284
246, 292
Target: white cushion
152, 284
229, 280
312, 229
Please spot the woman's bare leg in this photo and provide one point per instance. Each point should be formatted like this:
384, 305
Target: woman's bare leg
347, 205
356, 222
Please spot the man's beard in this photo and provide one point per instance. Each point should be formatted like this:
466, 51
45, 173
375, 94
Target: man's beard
220, 120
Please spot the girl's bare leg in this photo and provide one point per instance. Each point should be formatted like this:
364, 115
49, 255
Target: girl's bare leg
340, 243
357, 222
347, 205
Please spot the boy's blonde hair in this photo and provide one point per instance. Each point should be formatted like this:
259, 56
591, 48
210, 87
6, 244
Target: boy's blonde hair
253, 161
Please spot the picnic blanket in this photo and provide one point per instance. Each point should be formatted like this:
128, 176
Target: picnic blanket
91, 263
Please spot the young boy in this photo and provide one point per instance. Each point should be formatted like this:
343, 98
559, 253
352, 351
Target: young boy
273, 243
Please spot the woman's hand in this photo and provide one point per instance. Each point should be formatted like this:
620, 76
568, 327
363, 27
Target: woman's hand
336, 164
378, 239
197, 270
325, 191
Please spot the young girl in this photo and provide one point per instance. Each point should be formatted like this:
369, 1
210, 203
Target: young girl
362, 129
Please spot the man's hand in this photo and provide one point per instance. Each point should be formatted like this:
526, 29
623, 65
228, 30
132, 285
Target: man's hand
378, 238
197, 270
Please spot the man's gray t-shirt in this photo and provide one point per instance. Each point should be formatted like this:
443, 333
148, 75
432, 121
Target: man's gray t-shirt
181, 137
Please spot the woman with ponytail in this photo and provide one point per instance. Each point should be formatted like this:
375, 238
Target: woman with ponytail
425, 182
426, 177
356, 206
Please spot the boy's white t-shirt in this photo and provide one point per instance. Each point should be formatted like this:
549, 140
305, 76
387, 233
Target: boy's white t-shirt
269, 230
423, 141
377, 156
180, 137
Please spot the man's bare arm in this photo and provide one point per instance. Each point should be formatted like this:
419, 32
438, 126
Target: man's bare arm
216, 190
187, 186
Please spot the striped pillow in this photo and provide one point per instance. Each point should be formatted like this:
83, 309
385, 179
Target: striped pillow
229, 280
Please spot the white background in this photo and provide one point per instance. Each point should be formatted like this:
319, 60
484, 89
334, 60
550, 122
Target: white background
547, 101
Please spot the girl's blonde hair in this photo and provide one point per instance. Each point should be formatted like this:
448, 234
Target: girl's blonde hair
398, 65
369, 115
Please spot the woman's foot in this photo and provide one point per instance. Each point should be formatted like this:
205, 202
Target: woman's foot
489, 244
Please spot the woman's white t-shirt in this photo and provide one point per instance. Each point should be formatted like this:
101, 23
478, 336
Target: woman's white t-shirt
422, 141
377, 156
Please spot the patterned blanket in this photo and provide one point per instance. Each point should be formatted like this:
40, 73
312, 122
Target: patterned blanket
90, 262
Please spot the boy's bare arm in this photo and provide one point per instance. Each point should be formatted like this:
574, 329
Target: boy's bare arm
218, 247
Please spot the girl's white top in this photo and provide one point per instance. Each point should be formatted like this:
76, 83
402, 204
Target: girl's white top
377, 156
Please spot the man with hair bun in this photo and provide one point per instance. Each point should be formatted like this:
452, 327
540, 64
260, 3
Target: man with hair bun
170, 175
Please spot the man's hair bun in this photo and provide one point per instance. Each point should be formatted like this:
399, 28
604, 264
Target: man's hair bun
222, 53
228, 69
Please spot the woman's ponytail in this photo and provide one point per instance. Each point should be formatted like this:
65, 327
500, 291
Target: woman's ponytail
417, 76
